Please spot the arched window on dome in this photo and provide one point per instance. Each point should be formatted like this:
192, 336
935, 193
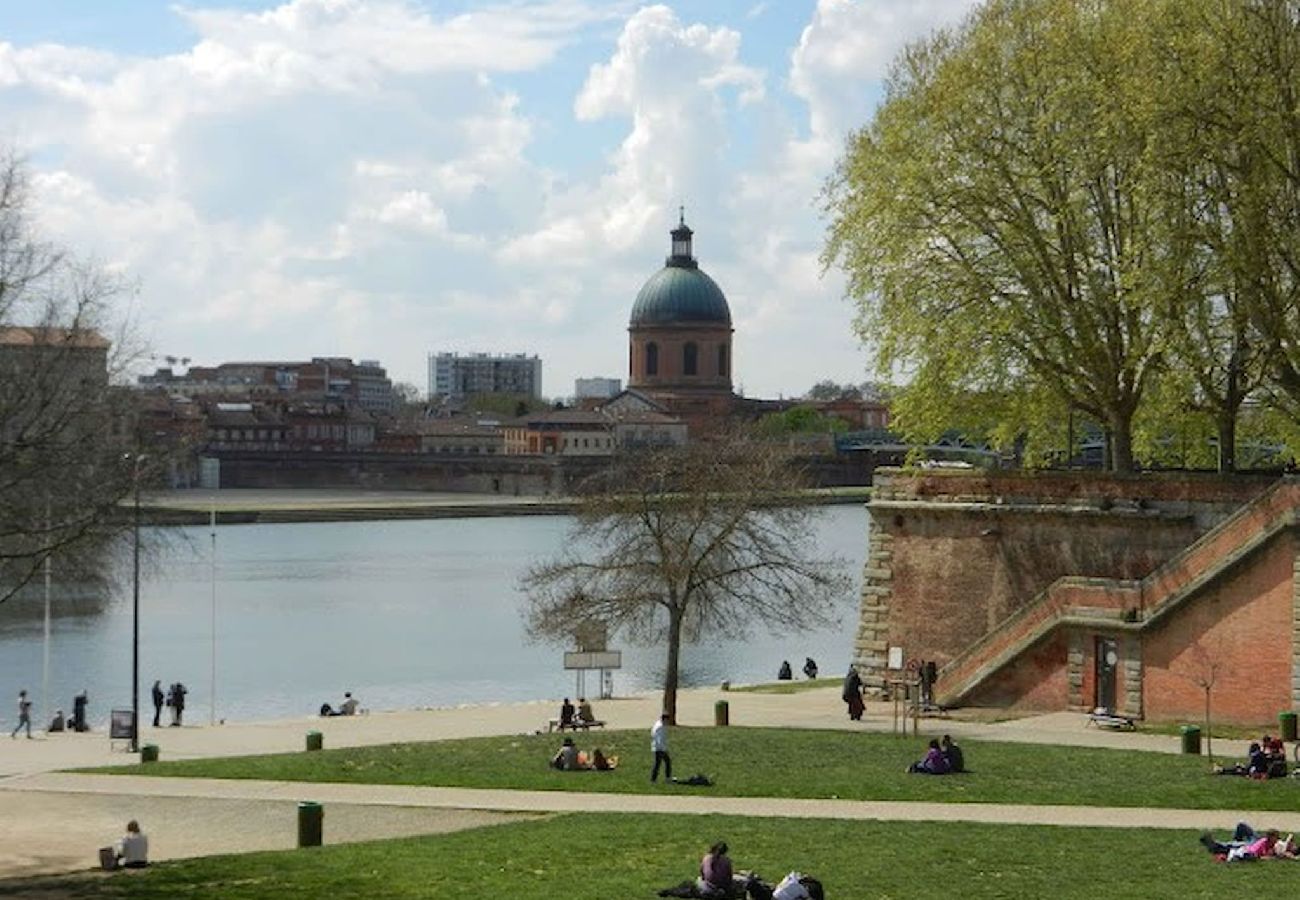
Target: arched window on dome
722, 360
690, 359
652, 358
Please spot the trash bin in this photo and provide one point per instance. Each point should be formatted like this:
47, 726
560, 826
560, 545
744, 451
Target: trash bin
149, 753
722, 713
315, 740
1286, 723
1191, 735
311, 818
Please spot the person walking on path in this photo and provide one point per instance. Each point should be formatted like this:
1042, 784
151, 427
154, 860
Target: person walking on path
852, 694
24, 716
157, 701
659, 745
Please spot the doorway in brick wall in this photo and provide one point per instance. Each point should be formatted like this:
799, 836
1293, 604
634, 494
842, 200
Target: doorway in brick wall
1107, 662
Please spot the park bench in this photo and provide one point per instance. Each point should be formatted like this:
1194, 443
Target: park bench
1103, 719
555, 725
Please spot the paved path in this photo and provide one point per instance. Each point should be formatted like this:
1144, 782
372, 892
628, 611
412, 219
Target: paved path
53, 822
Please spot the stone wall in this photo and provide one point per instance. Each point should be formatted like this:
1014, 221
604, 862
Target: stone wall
953, 553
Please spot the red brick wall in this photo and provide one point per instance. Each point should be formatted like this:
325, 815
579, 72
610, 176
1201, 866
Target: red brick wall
1036, 682
1243, 621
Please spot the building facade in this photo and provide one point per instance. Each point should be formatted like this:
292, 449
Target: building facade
679, 335
458, 376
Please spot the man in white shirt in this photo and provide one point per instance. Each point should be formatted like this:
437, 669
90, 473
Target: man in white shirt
659, 746
133, 848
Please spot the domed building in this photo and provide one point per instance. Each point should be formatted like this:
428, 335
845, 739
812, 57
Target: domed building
680, 338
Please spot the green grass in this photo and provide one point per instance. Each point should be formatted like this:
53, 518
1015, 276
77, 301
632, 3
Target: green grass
788, 687
626, 857
769, 762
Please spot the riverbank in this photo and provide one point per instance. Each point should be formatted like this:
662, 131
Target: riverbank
242, 506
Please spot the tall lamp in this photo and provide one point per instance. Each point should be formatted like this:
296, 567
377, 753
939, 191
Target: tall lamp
135, 604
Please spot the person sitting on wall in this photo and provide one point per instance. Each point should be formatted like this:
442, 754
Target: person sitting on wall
349, 705
810, 667
784, 673
585, 714
566, 714
58, 723
935, 763
952, 753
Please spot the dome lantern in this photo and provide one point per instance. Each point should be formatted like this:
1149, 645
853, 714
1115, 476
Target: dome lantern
681, 257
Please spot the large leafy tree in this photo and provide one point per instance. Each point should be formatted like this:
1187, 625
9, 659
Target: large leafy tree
674, 544
997, 222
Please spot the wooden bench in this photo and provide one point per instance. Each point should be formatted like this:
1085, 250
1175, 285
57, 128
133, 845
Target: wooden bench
1110, 720
554, 725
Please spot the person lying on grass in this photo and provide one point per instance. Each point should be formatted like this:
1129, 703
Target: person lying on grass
935, 763
1248, 846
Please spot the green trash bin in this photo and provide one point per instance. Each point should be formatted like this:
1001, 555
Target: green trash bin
1191, 735
315, 740
311, 819
722, 713
149, 753
1286, 723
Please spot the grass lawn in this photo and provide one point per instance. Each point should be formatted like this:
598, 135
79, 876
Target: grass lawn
770, 762
626, 857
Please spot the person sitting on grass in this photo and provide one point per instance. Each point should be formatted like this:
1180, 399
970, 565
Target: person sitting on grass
935, 763
1257, 764
566, 758
602, 763
784, 673
952, 753
132, 851
716, 876
1274, 756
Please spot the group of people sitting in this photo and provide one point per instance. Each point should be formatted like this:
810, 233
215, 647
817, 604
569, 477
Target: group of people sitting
1266, 758
784, 673
570, 759
1249, 846
719, 881
942, 758
580, 717
348, 707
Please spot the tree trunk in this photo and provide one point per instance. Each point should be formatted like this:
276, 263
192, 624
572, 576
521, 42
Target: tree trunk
1121, 442
1209, 745
670, 668
1227, 427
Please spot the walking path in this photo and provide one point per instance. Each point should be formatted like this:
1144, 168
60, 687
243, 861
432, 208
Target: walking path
55, 820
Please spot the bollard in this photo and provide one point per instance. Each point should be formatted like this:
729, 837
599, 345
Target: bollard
149, 753
311, 818
1286, 723
1191, 736
315, 740
721, 713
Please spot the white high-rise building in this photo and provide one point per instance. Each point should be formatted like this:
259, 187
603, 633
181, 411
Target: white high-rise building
459, 375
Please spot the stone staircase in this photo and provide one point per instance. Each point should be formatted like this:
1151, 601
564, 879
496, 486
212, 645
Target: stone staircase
1123, 605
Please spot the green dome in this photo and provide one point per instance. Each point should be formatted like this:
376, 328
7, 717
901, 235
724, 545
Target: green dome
678, 293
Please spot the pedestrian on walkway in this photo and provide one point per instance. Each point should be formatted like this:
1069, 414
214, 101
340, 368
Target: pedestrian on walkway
24, 716
178, 703
659, 746
852, 694
157, 701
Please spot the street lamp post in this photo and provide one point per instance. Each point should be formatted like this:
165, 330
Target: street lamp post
135, 610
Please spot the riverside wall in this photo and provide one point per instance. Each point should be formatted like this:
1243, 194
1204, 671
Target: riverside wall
953, 553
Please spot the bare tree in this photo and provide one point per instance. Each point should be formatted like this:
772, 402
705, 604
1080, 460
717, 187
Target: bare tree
1202, 667
678, 543
64, 424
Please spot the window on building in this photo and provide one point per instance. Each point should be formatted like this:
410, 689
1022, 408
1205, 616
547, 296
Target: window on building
690, 359
652, 358
722, 360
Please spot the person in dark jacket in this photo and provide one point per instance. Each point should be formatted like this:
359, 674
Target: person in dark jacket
157, 701
952, 752
810, 667
784, 673
852, 694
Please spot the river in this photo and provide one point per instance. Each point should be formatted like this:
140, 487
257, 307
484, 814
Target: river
402, 613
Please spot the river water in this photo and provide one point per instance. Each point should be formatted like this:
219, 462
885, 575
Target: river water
402, 613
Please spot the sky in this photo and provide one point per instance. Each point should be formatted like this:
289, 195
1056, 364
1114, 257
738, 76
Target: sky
383, 179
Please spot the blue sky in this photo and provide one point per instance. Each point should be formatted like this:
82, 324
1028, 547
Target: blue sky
387, 178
